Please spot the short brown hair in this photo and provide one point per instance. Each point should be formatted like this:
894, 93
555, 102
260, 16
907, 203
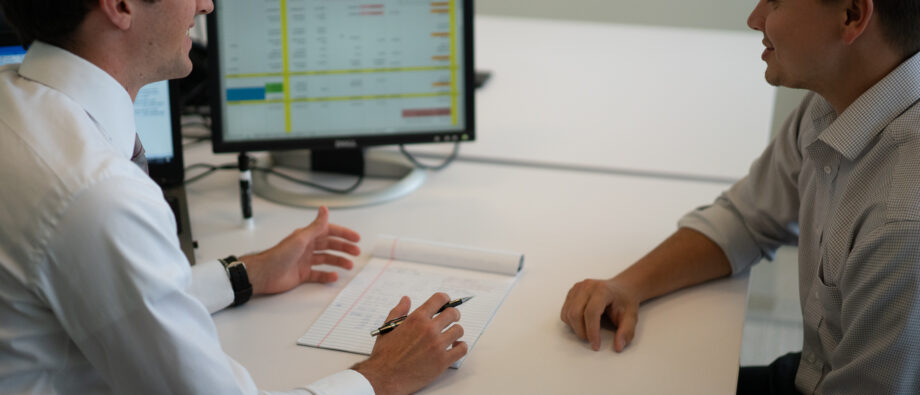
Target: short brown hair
900, 23
52, 21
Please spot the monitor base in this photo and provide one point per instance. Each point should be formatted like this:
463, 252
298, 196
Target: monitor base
378, 164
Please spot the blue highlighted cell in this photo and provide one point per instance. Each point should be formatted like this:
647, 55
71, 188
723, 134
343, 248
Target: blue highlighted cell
11, 50
243, 94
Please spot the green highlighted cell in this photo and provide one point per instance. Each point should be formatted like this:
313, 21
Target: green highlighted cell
276, 87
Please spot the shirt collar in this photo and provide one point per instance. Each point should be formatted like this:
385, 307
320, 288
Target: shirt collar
855, 128
101, 96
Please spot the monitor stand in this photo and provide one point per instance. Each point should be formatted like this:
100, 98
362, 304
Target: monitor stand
376, 164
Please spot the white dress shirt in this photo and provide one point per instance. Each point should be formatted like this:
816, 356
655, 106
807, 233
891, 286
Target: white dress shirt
95, 293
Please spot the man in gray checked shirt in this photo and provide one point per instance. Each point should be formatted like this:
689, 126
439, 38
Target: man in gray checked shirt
841, 180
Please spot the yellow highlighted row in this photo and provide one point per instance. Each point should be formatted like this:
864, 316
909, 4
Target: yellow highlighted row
341, 98
346, 71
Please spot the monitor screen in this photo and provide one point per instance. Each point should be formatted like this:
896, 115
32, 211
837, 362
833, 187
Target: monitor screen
153, 117
11, 54
340, 74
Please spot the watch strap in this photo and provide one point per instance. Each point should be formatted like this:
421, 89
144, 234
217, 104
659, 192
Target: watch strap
239, 279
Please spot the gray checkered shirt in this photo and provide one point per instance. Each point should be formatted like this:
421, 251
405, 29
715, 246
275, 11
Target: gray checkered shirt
846, 189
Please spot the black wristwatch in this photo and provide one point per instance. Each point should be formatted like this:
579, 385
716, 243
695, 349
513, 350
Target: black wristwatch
236, 270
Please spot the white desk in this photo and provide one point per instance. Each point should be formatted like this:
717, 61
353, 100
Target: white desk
570, 225
633, 99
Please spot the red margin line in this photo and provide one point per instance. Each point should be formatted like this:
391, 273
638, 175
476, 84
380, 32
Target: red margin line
392, 255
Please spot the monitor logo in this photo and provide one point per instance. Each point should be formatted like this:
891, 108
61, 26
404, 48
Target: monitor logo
345, 143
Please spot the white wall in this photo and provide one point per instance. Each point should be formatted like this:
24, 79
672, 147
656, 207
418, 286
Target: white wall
706, 14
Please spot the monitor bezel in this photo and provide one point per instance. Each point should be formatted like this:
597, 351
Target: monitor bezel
219, 145
9, 38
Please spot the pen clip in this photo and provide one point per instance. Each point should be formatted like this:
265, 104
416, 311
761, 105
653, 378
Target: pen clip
388, 326
393, 321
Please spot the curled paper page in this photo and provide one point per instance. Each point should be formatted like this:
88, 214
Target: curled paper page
450, 255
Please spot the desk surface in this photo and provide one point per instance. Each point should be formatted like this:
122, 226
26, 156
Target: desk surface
632, 99
570, 226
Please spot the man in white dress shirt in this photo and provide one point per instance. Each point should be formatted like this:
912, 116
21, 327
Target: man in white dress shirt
95, 293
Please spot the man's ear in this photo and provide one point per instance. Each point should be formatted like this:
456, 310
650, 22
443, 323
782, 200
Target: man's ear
118, 12
858, 15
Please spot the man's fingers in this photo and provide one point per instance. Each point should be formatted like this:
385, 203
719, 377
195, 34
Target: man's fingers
433, 304
447, 317
319, 276
341, 245
569, 298
401, 309
457, 351
626, 329
343, 232
573, 311
332, 260
452, 334
594, 309
322, 217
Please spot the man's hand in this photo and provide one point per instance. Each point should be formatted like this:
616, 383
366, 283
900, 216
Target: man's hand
291, 262
415, 353
586, 304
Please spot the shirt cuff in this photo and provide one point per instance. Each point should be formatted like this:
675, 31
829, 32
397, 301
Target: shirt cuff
721, 225
211, 285
344, 382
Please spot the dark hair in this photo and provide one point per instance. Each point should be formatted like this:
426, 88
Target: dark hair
52, 21
900, 23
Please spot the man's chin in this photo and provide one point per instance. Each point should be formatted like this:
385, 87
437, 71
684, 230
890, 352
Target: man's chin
773, 82
180, 71
772, 78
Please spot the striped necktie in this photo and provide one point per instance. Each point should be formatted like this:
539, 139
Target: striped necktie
139, 158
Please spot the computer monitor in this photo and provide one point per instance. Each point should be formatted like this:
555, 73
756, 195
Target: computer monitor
156, 116
11, 51
339, 75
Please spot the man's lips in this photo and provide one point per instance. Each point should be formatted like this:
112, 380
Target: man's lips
767, 44
767, 51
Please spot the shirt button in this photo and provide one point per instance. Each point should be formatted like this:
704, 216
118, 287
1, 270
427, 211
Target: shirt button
827, 169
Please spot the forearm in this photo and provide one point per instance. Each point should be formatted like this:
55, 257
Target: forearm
685, 258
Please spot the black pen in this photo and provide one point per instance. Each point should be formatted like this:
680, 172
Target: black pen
392, 324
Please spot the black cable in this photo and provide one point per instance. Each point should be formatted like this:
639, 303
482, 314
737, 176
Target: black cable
203, 111
197, 124
234, 166
447, 161
210, 169
314, 185
195, 140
